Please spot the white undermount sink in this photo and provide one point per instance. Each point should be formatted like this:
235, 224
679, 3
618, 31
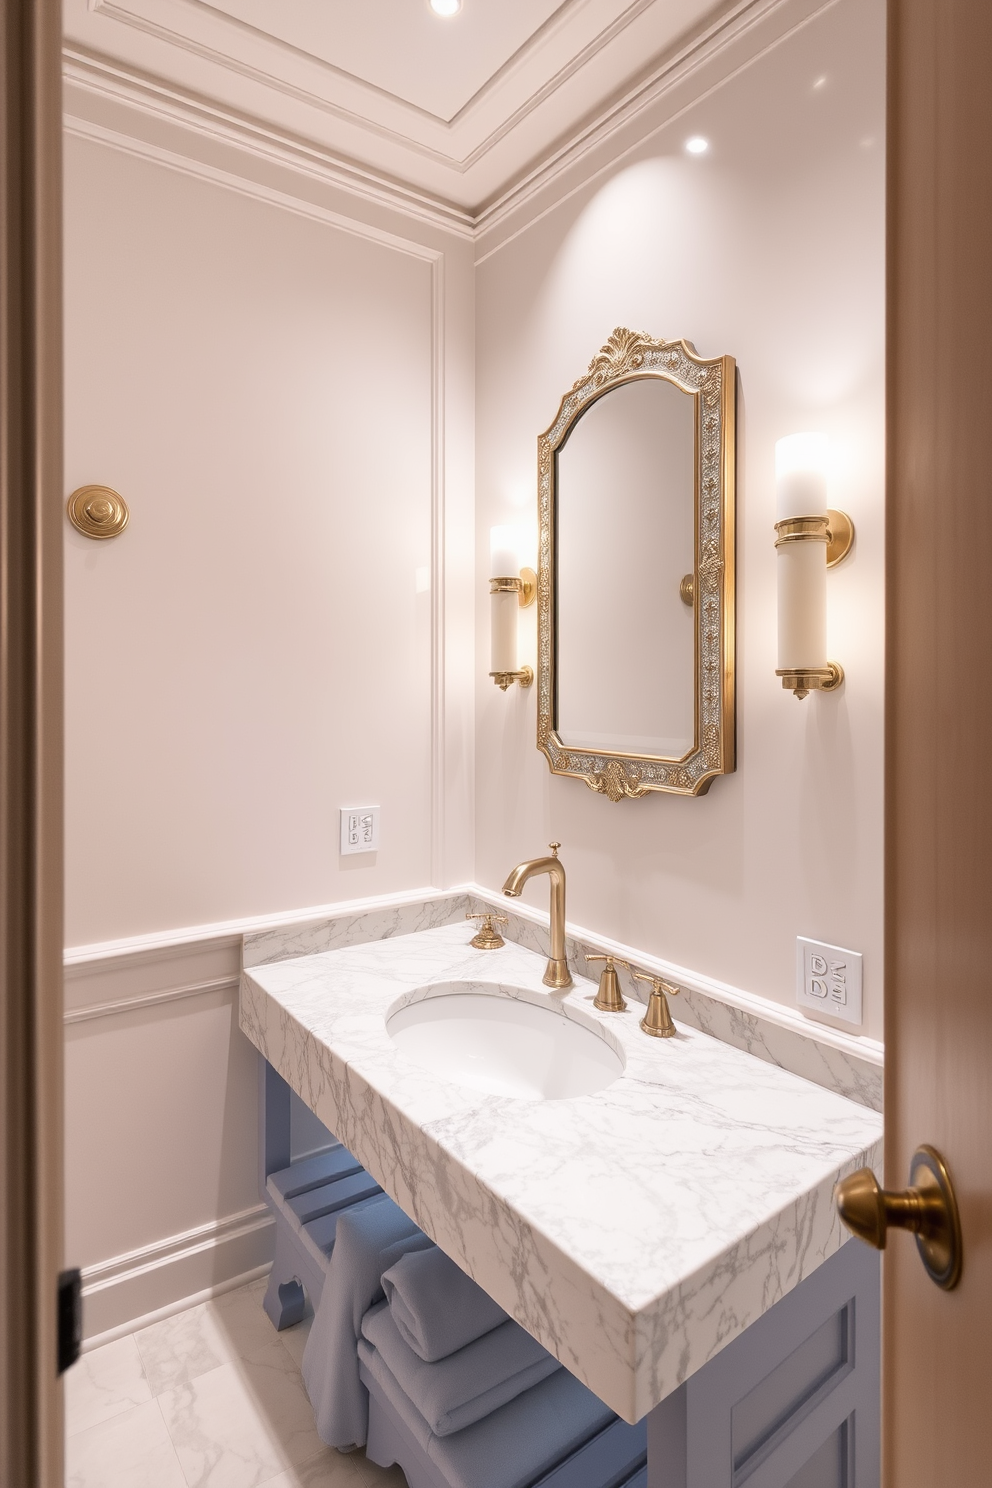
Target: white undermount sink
493, 1041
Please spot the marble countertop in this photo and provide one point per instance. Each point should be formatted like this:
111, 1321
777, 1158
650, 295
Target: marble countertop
635, 1231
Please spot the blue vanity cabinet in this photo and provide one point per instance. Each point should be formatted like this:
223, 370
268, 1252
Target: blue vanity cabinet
793, 1402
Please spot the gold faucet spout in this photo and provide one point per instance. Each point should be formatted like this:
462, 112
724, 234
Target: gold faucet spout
557, 973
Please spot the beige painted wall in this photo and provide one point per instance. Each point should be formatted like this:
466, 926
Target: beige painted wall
279, 381
770, 248
242, 660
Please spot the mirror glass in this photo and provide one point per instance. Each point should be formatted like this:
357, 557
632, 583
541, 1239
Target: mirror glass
635, 582
625, 517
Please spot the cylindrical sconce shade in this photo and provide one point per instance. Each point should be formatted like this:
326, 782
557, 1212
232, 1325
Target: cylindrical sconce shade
503, 603
801, 476
504, 607
504, 560
803, 530
509, 588
802, 605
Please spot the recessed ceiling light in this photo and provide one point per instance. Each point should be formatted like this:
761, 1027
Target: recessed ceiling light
446, 7
697, 145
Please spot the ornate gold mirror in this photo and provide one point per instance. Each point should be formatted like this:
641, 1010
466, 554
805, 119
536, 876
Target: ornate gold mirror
636, 578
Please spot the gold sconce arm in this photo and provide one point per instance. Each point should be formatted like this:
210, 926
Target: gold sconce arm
657, 1021
812, 679
503, 680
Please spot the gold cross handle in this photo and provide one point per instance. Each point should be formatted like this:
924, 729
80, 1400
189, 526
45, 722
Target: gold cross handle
657, 1021
488, 938
609, 999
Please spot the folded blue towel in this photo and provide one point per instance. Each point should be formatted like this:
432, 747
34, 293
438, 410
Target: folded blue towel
436, 1307
467, 1385
512, 1446
368, 1241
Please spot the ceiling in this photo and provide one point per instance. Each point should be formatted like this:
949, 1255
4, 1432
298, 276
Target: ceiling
400, 46
459, 109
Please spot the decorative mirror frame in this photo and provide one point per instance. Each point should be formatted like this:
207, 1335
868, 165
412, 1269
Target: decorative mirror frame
626, 357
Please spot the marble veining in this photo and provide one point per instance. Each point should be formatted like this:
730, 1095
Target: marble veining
634, 1231
331, 932
801, 1052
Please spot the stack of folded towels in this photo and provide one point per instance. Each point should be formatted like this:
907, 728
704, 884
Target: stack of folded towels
451, 1349
484, 1401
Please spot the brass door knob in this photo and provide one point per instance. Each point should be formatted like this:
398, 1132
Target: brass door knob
927, 1208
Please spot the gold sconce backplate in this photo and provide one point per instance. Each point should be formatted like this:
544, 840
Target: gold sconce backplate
840, 536
97, 511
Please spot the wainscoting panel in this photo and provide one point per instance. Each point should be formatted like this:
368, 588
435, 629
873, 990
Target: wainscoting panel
162, 1200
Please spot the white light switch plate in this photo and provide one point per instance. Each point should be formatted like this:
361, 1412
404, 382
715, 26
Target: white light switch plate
359, 829
828, 979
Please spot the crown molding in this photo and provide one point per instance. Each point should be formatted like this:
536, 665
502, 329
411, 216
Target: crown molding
730, 42
726, 47
313, 81
164, 102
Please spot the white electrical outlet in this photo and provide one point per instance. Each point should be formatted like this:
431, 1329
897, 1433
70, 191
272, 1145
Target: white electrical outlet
828, 979
359, 829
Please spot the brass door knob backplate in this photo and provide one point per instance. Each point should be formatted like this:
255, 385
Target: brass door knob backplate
927, 1208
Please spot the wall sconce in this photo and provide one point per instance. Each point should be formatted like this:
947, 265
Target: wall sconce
812, 537
511, 588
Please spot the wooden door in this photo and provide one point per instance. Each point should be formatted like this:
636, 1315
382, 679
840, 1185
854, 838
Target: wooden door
30, 740
937, 1351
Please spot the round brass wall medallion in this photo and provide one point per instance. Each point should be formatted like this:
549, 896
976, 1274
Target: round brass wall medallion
97, 511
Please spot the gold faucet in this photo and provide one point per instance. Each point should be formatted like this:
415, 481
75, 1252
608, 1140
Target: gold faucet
557, 974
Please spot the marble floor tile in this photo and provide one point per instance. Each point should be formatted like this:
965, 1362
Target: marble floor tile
210, 1398
374, 1476
191, 1343
131, 1450
241, 1317
105, 1382
328, 1470
243, 1423
295, 1339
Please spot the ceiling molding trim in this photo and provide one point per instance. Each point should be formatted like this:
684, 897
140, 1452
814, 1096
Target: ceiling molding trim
732, 31
408, 114
313, 100
201, 170
108, 79
705, 48
562, 76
